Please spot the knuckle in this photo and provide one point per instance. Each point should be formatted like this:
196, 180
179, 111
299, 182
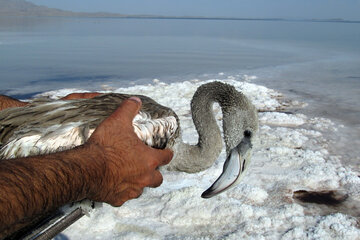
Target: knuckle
146, 181
152, 163
135, 193
149, 179
117, 203
159, 180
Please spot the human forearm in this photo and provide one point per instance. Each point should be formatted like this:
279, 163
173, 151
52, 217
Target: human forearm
113, 166
33, 186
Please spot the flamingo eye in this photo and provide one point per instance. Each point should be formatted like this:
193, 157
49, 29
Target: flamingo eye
247, 133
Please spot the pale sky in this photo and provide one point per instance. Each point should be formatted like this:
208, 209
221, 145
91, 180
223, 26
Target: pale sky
347, 9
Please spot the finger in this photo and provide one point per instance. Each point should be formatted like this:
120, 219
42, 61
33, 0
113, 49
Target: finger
130, 193
128, 109
157, 179
122, 116
90, 95
127, 194
162, 157
117, 203
80, 95
135, 193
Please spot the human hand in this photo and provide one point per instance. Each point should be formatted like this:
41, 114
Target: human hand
8, 102
80, 95
127, 164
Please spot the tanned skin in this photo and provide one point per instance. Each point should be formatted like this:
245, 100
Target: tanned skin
113, 166
8, 102
81, 95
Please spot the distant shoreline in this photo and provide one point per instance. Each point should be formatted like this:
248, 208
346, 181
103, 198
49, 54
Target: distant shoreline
239, 19
109, 15
28, 9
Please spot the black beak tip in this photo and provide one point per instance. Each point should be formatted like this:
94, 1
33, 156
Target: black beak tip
207, 194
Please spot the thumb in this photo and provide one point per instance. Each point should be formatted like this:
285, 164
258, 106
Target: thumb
128, 109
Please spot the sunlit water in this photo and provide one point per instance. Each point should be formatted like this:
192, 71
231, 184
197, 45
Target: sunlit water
318, 63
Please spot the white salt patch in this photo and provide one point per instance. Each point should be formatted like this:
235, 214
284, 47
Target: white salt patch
285, 159
282, 119
323, 123
248, 194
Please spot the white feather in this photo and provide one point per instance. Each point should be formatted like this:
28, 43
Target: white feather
61, 137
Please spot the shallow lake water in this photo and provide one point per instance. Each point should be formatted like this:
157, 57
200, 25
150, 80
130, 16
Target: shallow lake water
315, 62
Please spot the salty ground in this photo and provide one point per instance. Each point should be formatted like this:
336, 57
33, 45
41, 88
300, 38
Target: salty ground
294, 189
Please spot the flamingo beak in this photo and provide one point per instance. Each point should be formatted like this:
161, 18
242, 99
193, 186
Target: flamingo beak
233, 171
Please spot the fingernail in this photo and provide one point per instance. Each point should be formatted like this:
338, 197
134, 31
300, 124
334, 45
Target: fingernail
135, 99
